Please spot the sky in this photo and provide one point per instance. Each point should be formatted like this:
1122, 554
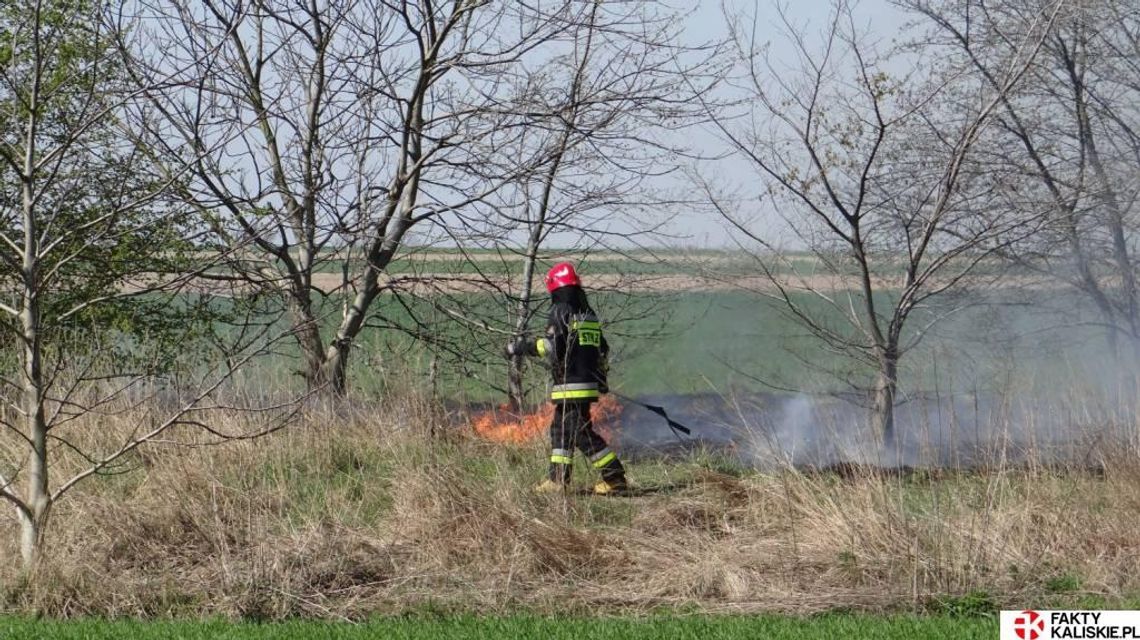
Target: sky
707, 22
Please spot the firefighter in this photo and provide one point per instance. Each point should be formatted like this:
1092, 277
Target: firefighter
577, 352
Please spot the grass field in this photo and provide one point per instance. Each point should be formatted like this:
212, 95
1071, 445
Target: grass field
524, 628
385, 509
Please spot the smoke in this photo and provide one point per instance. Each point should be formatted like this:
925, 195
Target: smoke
1012, 376
769, 431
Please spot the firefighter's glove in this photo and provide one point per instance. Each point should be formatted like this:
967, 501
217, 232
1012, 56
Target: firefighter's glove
515, 347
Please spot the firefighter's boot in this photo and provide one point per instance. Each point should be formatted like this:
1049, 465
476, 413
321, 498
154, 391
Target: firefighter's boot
611, 487
558, 479
613, 473
549, 487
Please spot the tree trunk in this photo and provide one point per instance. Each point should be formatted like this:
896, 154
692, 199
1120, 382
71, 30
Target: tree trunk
886, 390
517, 364
37, 497
308, 335
326, 366
332, 374
31, 537
515, 383
1112, 338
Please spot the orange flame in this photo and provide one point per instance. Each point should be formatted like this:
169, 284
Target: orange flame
501, 425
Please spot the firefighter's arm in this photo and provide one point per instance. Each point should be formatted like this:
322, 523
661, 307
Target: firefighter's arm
540, 348
551, 345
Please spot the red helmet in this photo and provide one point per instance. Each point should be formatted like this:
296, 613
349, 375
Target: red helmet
561, 275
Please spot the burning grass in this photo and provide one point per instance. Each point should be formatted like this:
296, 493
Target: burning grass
386, 514
505, 426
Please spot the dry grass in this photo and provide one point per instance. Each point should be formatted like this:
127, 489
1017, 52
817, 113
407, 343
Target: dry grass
352, 514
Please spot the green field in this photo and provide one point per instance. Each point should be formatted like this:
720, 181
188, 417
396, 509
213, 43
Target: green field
721, 342
525, 628
704, 341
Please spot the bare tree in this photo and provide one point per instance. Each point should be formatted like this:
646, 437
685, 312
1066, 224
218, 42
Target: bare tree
322, 133
92, 265
1065, 144
869, 170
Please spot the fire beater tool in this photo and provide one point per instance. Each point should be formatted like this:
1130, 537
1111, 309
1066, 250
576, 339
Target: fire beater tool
677, 427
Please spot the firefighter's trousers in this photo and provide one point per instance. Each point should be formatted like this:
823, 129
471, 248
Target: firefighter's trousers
572, 428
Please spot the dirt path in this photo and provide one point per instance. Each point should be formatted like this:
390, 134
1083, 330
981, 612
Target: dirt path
454, 283
819, 283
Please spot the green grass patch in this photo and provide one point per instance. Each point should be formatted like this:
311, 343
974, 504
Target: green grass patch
713, 341
523, 628
1064, 583
976, 604
725, 342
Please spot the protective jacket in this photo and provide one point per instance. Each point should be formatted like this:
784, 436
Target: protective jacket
575, 348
